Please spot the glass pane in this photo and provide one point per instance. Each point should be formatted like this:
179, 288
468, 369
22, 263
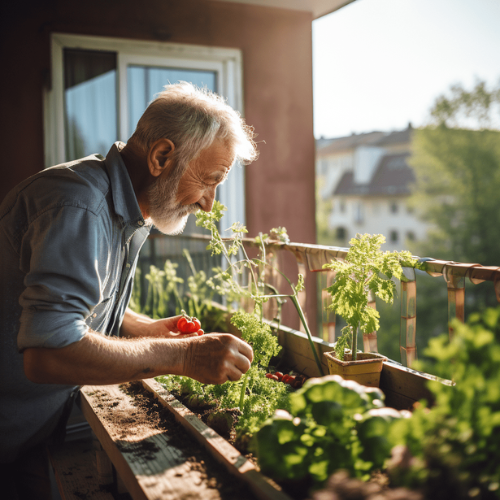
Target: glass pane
144, 82
89, 102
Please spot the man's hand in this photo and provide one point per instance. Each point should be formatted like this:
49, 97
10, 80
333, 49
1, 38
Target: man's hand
137, 325
100, 360
216, 358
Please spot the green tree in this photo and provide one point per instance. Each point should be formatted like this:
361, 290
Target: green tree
456, 159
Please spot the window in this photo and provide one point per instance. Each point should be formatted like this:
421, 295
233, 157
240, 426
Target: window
101, 86
394, 236
341, 233
394, 208
359, 212
410, 236
342, 207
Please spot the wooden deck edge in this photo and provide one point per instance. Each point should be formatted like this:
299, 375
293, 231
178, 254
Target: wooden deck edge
75, 471
219, 448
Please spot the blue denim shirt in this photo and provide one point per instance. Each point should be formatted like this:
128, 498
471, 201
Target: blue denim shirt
69, 241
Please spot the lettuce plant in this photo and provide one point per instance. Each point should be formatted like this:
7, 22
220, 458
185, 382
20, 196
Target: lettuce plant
332, 424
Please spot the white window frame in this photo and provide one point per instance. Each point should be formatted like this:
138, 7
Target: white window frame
225, 62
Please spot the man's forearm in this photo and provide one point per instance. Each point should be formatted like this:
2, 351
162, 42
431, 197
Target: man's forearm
97, 359
101, 360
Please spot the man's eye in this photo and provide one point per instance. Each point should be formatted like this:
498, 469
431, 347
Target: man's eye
210, 183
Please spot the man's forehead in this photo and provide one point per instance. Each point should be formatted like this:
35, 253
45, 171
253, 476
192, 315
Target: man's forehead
218, 154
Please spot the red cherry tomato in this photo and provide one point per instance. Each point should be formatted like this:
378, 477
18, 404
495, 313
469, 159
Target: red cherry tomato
279, 375
200, 332
269, 375
181, 324
188, 325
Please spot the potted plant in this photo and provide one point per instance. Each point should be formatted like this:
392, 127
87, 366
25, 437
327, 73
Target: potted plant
365, 269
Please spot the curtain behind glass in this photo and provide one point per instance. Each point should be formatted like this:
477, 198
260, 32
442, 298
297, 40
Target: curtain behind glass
144, 82
89, 102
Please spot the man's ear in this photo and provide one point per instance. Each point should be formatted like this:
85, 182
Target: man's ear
160, 156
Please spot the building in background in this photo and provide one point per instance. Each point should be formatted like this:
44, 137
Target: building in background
365, 180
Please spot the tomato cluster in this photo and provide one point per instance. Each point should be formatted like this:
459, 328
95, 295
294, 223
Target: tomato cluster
295, 381
186, 325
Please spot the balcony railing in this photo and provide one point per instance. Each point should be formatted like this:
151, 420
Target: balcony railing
310, 260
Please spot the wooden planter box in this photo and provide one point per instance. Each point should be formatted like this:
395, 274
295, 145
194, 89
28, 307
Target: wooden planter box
402, 387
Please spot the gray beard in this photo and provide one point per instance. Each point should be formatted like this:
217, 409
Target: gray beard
165, 213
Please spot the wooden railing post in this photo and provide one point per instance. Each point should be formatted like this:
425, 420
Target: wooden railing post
327, 315
454, 275
408, 328
302, 298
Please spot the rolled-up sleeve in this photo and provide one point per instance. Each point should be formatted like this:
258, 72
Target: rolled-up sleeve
60, 255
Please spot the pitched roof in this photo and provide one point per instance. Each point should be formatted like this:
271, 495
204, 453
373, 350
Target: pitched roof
398, 137
325, 146
349, 142
392, 176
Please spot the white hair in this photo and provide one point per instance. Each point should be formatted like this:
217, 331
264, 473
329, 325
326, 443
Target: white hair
193, 118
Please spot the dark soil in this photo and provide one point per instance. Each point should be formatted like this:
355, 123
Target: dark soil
135, 417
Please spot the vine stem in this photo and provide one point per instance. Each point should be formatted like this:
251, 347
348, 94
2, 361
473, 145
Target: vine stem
243, 390
304, 322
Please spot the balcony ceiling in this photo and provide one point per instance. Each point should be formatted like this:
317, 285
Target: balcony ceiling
318, 8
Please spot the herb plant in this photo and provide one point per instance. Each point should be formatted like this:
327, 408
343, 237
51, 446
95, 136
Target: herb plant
255, 395
365, 269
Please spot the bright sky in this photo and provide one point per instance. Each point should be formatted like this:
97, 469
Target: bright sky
378, 64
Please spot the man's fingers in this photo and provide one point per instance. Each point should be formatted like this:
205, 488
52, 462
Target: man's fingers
246, 350
233, 375
242, 362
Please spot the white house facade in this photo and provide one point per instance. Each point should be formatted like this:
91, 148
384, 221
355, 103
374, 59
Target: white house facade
368, 180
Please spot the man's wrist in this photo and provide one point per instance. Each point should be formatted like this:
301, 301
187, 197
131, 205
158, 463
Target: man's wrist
135, 325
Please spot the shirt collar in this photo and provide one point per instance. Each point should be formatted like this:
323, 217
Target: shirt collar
124, 199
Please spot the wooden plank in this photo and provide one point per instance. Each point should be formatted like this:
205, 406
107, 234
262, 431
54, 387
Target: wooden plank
296, 347
405, 384
148, 459
75, 471
230, 457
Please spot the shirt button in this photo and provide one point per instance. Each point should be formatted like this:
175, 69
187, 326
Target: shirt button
141, 223
127, 266
94, 315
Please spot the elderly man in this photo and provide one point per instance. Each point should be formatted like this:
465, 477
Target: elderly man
69, 242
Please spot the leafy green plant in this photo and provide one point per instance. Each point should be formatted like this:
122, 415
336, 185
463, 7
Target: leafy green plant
332, 424
452, 450
256, 396
165, 288
365, 269
226, 281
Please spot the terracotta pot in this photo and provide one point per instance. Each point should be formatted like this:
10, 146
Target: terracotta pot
365, 370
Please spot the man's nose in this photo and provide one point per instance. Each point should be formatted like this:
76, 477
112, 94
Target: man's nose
207, 202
